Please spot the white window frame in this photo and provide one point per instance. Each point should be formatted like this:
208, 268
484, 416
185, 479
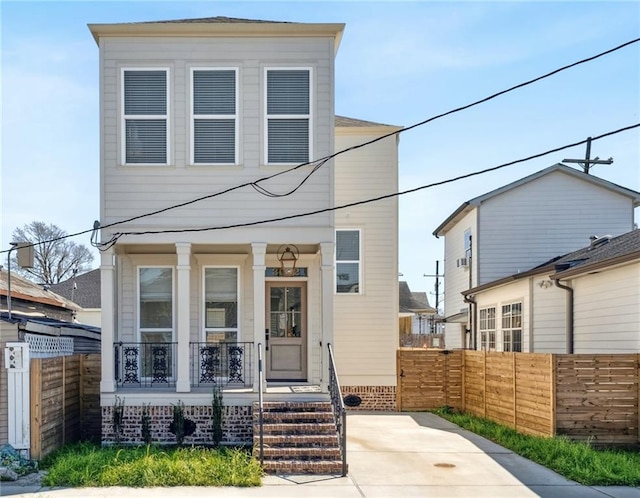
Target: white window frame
124, 117
235, 116
508, 331
487, 334
267, 117
173, 303
203, 318
359, 261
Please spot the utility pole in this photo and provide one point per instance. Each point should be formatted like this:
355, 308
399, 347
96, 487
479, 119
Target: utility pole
437, 287
587, 162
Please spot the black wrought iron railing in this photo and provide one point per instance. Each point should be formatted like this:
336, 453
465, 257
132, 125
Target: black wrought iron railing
260, 401
145, 364
221, 364
339, 411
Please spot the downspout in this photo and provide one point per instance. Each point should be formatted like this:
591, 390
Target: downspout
569, 290
472, 320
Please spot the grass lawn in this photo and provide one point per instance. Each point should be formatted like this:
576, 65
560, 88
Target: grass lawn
577, 461
84, 464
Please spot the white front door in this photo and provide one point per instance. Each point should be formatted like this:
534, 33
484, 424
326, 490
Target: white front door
287, 331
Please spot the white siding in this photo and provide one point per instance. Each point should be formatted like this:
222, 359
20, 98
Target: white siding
607, 311
549, 318
366, 325
457, 278
132, 190
552, 215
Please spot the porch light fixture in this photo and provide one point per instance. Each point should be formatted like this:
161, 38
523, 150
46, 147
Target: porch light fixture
288, 256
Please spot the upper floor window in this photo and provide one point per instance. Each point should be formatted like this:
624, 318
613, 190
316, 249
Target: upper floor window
512, 327
221, 304
348, 261
288, 115
145, 116
155, 292
215, 116
487, 327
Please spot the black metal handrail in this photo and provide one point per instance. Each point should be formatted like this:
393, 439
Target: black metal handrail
221, 364
261, 402
339, 411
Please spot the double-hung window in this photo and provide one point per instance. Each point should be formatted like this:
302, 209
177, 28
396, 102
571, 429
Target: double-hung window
155, 321
348, 268
221, 304
215, 116
487, 326
288, 115
145, 116
512, 327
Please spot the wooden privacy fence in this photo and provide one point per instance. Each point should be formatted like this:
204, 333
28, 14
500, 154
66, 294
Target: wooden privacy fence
582, 396
65, 401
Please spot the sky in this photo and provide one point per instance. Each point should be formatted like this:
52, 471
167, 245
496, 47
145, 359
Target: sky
398, 63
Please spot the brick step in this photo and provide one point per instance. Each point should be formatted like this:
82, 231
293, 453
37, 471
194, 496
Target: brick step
297, 440
299, 428
305, 454
303, 467
294, 406
294, 417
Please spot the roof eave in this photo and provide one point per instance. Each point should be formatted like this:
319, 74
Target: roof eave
454, 217
598, 265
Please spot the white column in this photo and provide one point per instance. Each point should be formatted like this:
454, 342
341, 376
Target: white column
183, 302
326, 274
258, 250
107, 290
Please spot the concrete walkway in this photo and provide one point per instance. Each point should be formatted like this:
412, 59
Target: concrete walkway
390, 455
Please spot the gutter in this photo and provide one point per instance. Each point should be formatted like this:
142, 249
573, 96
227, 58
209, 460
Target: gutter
472, 320
569, 290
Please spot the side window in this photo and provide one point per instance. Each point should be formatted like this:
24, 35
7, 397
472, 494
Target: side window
288, 116
215, 116
487, 327
145, 116
221, 304
512, 327
348, 276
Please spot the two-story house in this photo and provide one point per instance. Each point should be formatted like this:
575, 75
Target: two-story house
214, 183
518, 226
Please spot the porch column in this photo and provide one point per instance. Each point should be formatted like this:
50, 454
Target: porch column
107, 269
326, 270
183, 300
259, 250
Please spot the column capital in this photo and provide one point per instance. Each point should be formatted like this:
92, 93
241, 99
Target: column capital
326, 253
259, 251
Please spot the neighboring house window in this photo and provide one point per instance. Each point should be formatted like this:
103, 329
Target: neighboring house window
288, 116
221, 304
155, 312
348, 261
145, 116
488, 328
512, 327
215, 116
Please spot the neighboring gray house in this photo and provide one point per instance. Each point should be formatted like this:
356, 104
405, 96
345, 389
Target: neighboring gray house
84, 290
587, 301
521, 225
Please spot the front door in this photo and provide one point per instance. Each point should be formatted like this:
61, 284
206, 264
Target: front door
287, 331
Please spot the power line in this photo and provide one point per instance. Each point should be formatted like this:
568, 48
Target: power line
379, 198
320, 162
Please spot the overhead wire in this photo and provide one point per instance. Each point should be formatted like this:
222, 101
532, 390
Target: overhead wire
321, 161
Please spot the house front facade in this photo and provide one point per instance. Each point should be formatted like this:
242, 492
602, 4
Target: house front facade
216, 177
520, 225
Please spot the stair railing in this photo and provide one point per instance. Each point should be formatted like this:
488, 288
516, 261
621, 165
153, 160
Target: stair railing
339, 411
261, 402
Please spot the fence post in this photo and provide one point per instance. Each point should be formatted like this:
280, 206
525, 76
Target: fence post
553, 381
398, 380
515, 390
36, 408
484, 384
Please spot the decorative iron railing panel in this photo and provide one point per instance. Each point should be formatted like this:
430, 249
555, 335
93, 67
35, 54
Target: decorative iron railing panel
339, 411
222, 364
145, 364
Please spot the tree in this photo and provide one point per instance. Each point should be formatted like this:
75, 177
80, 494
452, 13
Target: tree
55, 258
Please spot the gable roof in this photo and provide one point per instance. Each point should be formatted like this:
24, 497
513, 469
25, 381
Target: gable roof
26, 290
468, 206
603, 252
413, 301
86, 292
217, 26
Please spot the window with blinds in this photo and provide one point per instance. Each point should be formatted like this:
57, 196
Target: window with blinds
348, 261
288, 115
215, 116
145, 116
221, 303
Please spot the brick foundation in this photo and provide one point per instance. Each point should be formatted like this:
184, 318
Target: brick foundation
375, 398
237, 425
